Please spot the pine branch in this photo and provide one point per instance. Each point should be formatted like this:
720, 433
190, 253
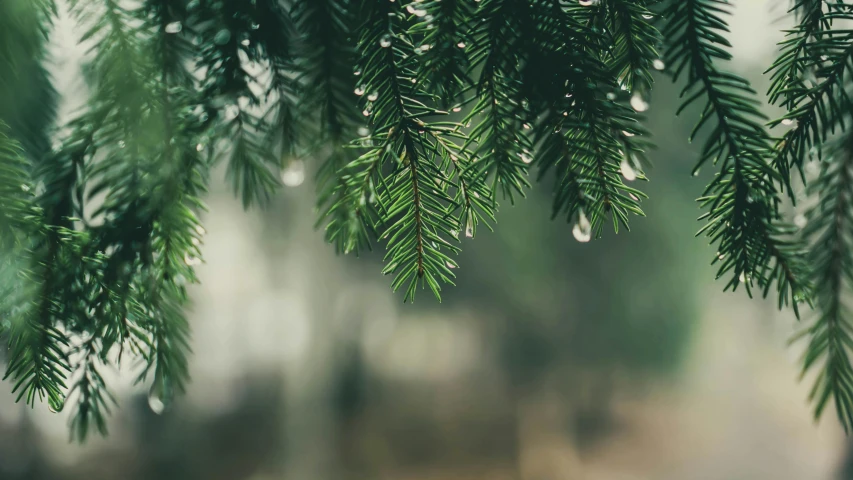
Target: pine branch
243, 43
809, 80
741, 201
37, 363
585, 108
93, 400
27, 97
415, 199
328, 110
631, 41
502, 145
830, 230
443, 35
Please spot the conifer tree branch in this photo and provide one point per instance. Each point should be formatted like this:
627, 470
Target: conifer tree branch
328, 109
809, 80
411, 161
568, 79
37, 363
830, 336
503, 148
443, 30
741, 201
631, 41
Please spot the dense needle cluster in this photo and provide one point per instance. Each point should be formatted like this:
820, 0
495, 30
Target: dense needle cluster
423, 118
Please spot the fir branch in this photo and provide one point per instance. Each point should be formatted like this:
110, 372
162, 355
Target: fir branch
741, 201
241, 42
817, 106
568, 80
89, 392
502, 145
442, 31
27, 97
328, 112
830, 336
631, 45
37, 363
415, 205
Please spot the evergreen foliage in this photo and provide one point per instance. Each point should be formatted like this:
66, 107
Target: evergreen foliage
423, 115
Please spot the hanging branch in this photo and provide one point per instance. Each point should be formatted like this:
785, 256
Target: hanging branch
630, 41
830, 336
444, 33
245, 54
502, 145
412, 165
809, 80
328, 109
754, 247
588, 135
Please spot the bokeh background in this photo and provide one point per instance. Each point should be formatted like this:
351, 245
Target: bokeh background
619, 359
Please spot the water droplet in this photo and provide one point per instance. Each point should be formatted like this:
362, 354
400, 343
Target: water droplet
363, 131
254, 26
294, 174
648, 16
721, 255
425, 47
25, 187
587, 3
742, 277
199, 147
638, 104
365, 112
200, 230
800, 220
658, 64
461, 45
526, 126
359, 90
696, 172
469, 227
611, 96
159, 397
627, 133
55, 405
450, 264
373, 96
385, 41
526, 158
787, 121
222, 37
457, 109
627, 170
191, 260
245, 42
173, 27
582, 230
356, 72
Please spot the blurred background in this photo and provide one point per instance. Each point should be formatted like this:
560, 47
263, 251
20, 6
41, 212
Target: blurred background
619, 359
